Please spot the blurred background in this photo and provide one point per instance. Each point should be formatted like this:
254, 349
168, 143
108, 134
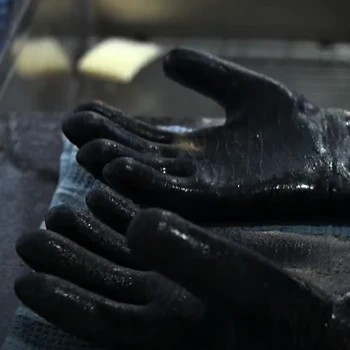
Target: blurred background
60, 53
55, 54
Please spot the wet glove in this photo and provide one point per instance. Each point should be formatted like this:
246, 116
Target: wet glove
278, 157
278, 309
88, 284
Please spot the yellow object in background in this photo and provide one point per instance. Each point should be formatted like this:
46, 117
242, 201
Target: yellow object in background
118, 59
42, 56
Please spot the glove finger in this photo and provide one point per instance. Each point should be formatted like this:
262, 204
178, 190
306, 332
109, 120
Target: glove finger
48, 252
230, 85
83, 127
94, 155
219, 270
146, 185
110, 207
206, 74
81, 227
84, 314
135, 126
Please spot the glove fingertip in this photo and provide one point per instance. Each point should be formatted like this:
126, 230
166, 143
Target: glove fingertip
143, 231
178, 60
85, 156
109, 171
118, 168
58, 214
153, 235
31, 287
26, 244
69, 123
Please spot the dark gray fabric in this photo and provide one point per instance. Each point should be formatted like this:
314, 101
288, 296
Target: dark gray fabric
29, 331
30, 146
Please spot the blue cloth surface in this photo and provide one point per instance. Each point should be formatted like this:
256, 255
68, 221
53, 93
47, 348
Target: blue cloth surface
29, 331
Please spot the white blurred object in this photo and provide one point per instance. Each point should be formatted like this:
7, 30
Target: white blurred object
118, 59
41, 57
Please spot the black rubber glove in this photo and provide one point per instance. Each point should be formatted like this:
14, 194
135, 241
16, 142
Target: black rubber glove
277, 157
87, 283
278, 310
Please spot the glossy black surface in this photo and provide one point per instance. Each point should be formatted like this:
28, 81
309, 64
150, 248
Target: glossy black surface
275, 147
89, 284
278, 310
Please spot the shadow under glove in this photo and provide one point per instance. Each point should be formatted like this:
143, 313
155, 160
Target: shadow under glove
278, 310
87, 283
277, 155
